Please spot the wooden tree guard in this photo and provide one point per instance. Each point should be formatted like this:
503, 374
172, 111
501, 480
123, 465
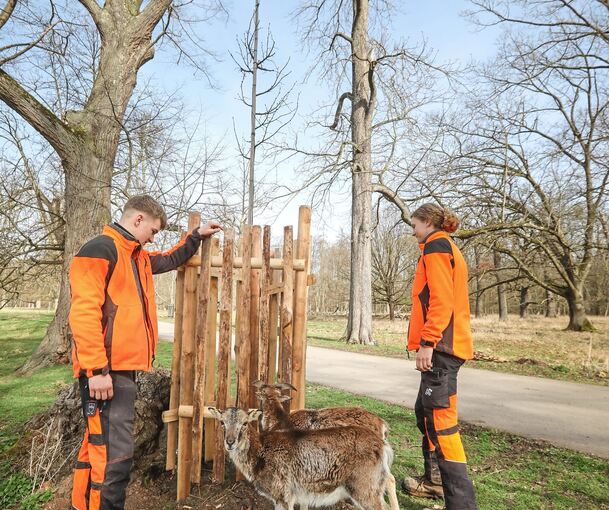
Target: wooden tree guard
187, 359
269, 315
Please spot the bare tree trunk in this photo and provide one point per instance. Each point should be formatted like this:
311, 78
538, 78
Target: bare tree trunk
501, 297
524, 301
578, 321
359, 326
391, 310
253, 111
478, 278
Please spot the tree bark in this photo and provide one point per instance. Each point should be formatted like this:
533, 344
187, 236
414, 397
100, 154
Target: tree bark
359, 326
501, 297
87, 142
524, 301
551, 311
578, 321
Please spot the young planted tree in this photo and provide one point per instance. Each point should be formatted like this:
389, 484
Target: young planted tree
84, 133
268, 99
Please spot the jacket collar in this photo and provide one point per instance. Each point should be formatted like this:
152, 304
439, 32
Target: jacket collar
122, 237
431, 236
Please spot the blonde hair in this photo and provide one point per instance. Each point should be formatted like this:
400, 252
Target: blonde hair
147, 204
439, 217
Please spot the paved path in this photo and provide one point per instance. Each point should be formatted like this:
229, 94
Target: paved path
571, 415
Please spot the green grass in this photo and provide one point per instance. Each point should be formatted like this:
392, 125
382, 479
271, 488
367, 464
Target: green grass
509, 472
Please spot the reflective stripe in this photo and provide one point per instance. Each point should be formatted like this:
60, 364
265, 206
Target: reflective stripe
448, 432
82, 465
97, 486
96, 439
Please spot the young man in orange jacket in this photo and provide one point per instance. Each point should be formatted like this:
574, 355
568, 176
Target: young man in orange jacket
439, 330
114, 326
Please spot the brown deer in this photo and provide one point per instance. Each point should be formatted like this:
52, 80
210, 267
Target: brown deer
308, 467
275, 417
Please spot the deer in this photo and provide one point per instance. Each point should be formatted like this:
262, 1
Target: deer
308, 467
275, 417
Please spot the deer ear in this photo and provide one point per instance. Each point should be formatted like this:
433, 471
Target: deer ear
285, 398
253, 415
258, 384
285, 386
215, 413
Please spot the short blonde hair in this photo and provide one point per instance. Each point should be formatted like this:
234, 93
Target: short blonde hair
148, 205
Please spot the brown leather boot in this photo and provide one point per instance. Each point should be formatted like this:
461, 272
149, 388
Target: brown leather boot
420, 487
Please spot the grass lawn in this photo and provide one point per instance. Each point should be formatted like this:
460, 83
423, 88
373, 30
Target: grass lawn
509, 472
533, 346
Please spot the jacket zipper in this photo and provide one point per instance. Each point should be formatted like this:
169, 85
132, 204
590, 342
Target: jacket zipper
145, 313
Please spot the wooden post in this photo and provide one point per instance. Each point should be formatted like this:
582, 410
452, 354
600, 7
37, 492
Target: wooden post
226, 308
200, 361
254, 337
286, 308
273, 324
186, 372
265, 324
301, 292
174, 392
210, 356
244, 306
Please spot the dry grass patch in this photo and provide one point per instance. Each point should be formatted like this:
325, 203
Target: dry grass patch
532, 346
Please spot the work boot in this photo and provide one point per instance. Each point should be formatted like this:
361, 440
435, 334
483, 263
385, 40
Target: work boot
421, 487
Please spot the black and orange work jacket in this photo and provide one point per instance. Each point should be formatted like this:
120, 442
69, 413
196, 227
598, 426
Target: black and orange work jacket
440, 299
113, 312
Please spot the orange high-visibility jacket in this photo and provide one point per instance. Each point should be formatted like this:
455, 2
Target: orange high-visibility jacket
113, 312
440, 299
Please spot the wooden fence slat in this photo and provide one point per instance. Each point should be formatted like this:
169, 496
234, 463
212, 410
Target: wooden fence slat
254, 336
265, 324
301, 291
244, 308
174, 392
187, 372
210, 356
226, 307
200, 360
286, 315
273, 324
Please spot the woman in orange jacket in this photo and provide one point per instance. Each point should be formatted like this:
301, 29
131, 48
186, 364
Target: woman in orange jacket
439, 330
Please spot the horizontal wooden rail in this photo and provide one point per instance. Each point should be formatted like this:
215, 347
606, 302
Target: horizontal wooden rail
216, 261
185, 412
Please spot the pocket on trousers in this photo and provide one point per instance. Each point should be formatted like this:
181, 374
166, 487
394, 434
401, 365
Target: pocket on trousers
435, 389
